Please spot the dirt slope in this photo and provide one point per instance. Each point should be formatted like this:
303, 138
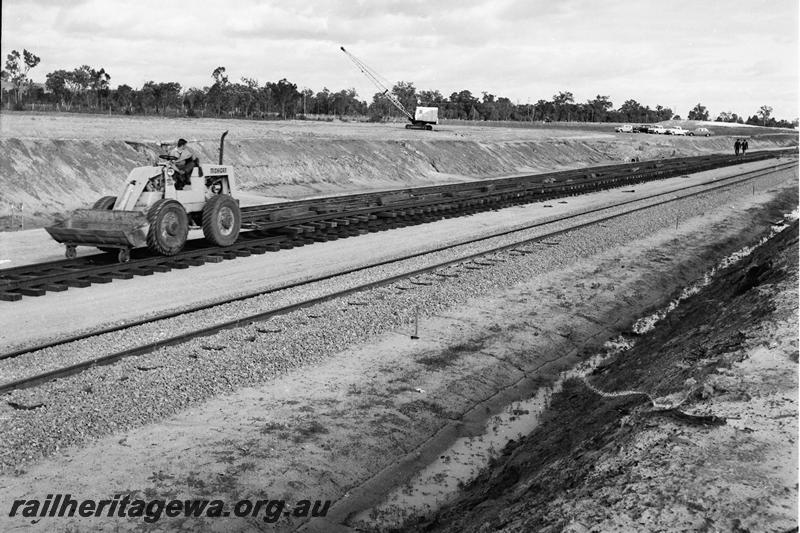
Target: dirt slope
621, 465
52, 164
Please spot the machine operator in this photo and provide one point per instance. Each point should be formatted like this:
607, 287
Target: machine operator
186, 161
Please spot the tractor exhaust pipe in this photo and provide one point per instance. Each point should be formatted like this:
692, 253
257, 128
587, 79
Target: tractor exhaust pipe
222, 146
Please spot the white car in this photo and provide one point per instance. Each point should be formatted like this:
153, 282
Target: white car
626, 128
661, 130
676, 130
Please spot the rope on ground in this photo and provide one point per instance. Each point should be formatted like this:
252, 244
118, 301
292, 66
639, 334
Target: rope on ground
661, 409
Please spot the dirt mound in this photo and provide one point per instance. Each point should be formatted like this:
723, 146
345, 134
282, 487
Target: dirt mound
47, 176
730, 353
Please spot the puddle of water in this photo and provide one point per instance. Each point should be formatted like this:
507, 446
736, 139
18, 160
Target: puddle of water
440, 482
442, 479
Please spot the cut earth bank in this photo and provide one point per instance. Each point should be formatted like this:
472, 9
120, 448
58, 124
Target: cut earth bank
620, 463
350, 425
53, 163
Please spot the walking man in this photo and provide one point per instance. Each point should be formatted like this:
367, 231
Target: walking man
744, 146
736, 146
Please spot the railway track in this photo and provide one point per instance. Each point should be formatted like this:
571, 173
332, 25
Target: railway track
597, 215
287, 225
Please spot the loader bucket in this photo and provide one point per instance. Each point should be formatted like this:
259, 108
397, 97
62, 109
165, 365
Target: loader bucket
100, 227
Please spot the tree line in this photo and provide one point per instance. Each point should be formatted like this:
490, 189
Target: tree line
86, 89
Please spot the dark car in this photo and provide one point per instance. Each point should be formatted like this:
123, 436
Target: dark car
641, 128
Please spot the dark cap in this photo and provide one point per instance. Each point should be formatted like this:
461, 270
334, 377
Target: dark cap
181, 142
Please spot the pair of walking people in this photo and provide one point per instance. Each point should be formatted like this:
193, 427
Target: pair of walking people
740, 144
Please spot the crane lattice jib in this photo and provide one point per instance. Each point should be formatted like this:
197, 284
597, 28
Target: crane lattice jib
374, 77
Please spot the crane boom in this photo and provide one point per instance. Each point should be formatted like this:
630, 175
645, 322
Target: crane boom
374, 77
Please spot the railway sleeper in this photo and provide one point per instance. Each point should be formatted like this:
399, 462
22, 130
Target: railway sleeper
79, 283
10, 296
100, 279
32, 291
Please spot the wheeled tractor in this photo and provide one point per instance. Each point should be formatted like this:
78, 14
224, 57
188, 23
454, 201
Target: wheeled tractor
153, 210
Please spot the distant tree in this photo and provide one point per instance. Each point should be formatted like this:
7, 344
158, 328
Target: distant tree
599, 108
284, 95
543, 109
764, 112
728, 116
407, 94
698, 113
194, 99
123, 98
57, 83
563, 104
219, 76
146, 98
753, 121
430, 98
462, 105
100, 84
677, 117
323, 102
381, 108
16, 70
162, 95
632, 111
217, 94
505, 108
79, 82
474, 114
346, 102
663, 113
488, 107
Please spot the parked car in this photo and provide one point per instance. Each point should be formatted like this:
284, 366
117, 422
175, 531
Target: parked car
655, 128
625, 128
676, 130
704, 132
641, 128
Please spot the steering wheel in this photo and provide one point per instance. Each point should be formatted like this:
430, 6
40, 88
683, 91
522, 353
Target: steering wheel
168, 157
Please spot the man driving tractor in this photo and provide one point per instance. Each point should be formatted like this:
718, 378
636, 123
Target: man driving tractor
185, 162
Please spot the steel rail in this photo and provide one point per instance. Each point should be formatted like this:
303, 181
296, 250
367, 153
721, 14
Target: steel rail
44, 377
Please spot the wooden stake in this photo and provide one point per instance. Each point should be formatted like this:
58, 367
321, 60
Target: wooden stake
416, 324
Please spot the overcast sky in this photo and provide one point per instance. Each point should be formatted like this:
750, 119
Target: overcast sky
729, 55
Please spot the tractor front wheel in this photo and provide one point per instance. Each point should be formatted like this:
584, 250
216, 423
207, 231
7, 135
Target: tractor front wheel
221, 220
169, 227
106, 203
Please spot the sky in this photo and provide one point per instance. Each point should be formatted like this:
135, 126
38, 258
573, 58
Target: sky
729, 55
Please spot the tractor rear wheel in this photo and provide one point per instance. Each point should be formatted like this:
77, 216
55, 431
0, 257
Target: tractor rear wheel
106, 203
221, 220
169, 227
